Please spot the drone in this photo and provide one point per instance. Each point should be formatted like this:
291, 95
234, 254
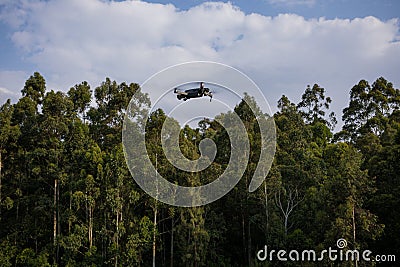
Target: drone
193, 93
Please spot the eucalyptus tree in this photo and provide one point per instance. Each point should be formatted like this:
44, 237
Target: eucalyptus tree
314, 104
369, 109
9, 134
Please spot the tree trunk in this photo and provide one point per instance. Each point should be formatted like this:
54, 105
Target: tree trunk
154, 234
155, 221
0, 184
354, 225
90, 230
249, 242
117, 240
70, 211
55, 221
36, 236
172, 242
286, 224
104, 238
243, 234
58, 219
266, 208
55, 212
354, 230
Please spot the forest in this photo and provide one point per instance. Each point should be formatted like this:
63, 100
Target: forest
67, 197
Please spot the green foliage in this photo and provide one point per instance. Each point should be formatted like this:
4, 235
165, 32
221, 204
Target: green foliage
68, 199
35, 88
313, 105
7, 253
369, 109
81, 96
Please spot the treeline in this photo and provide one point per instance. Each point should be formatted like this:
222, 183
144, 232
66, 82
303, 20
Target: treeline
68, 199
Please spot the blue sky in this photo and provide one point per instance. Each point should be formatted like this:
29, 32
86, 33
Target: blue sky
283, 45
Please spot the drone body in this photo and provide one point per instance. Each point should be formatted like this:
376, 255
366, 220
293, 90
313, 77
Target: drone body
193, 93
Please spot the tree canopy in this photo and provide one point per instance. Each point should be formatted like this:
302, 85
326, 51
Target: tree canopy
67, 197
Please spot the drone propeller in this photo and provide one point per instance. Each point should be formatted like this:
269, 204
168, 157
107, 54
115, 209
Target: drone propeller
208, 93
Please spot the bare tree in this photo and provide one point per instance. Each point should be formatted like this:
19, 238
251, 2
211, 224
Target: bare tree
286, 200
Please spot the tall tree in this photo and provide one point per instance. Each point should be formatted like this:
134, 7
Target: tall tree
56, 115
347, 190
107, 118
369, 108
81, 96
35, 88
8, 136
313, 105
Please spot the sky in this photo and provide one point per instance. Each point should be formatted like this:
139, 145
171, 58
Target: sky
282, 45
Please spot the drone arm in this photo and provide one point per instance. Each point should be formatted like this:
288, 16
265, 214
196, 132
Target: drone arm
176, 91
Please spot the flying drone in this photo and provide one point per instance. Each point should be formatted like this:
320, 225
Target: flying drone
193, 93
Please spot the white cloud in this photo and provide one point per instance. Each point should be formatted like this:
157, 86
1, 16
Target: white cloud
5, 91
293, 2
11, 83
72, 41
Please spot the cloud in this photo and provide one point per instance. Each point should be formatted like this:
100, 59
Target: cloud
11, 83
5, 91
293, 2
72, 41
